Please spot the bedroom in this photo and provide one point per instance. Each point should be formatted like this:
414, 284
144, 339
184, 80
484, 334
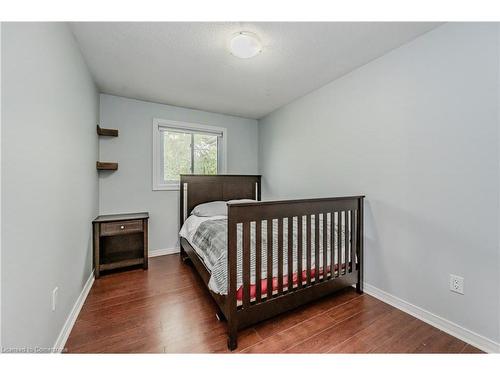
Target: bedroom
365, 155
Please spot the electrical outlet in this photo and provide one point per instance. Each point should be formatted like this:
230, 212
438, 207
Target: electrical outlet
55, 292
457, 284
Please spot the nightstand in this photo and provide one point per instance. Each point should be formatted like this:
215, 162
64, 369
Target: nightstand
120, 241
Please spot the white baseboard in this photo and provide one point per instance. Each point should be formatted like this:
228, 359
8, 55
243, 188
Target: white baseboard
160, 252
70, 321
73, 315
451, 328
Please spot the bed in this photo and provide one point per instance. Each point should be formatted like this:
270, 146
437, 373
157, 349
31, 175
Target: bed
259, 259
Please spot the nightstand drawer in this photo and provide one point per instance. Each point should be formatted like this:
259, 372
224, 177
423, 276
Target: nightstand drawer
121, 227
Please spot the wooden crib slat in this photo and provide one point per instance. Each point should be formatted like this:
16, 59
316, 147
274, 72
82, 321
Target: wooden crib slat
316, 247
343, 248
290, 253
280, 256
299, 250
346, 241
246, 264
258, 260
332, 245
325, 244
269, 250
342, 234
308, 250
353, 240
339, 243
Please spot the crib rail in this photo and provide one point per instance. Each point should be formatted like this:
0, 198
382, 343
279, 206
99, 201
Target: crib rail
292, 234
322, 242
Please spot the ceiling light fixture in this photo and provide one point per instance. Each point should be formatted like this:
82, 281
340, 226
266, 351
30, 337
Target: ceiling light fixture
245, 45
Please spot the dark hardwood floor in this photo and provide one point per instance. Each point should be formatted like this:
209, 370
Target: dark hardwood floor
167, 309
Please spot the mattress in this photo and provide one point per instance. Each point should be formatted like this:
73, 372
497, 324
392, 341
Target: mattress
208, 237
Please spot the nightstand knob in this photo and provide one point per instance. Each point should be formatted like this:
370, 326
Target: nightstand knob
122, 227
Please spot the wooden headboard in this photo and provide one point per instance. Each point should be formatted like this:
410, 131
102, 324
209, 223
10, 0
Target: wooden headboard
197, 189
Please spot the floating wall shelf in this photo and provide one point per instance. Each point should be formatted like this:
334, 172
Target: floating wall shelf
107, 132
106, 166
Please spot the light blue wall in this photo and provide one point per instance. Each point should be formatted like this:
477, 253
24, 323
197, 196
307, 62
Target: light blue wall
50, 108
417, 132
129, 189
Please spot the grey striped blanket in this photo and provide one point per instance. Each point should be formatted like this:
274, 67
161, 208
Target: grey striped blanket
211, 238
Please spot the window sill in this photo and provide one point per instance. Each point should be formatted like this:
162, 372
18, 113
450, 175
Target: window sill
171, 187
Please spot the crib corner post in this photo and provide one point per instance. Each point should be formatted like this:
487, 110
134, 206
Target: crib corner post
359, 288
232, 309
232, 333
182, 215
360, 239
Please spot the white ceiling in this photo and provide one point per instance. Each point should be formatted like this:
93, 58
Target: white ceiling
189, 64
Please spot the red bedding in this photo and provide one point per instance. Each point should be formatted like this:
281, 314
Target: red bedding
239, 292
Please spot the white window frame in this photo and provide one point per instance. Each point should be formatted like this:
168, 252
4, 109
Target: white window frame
158, 183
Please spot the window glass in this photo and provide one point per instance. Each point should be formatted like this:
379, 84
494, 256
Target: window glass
188, 153
176, 155
205, 154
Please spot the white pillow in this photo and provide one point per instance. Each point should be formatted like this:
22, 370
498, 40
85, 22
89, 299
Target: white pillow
215, 208
241, 201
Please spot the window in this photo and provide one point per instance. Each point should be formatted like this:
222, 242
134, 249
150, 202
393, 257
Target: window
184, 148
